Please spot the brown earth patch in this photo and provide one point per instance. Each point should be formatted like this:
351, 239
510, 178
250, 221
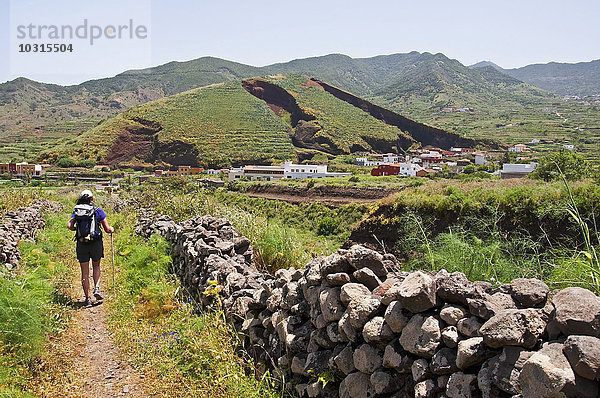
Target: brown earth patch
330, 195
134, 142
311, 83
276, 109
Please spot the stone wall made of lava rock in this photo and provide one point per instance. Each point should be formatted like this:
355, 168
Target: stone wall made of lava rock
356, 320
21, 224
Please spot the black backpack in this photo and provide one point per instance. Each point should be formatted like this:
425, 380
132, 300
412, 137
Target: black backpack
86, 226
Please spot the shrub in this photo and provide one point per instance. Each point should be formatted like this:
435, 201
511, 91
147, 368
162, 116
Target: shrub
568, 163
327, 226
65, 161
88, 163
469, 169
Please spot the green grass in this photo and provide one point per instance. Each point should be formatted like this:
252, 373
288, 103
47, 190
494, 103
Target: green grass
495, 229
283, 234
186, 353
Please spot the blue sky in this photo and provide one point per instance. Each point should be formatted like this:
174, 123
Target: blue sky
510, 33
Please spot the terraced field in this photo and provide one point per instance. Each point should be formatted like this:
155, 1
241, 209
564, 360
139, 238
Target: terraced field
30, 143
220, 124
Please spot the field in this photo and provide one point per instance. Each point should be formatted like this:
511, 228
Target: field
28, 144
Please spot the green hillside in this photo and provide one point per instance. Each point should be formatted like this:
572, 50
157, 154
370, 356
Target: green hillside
342, 126
48, 112
582, 78
258, 120
212, 126
173, 77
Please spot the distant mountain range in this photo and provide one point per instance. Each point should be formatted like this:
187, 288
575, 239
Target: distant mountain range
582, 78
417, 85
411, 80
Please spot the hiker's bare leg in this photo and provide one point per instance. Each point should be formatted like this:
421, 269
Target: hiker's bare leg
85, 278
96, 270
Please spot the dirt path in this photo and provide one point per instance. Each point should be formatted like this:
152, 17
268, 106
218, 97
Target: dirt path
84, 361
107, 373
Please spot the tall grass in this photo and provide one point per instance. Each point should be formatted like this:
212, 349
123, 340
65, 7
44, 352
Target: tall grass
492, 257
498, 232
583, 266
33, 305
185, 353
282, 234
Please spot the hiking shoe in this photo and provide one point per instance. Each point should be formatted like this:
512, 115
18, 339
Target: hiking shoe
97, 294
88, 302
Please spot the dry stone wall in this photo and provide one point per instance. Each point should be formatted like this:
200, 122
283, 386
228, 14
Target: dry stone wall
17, 225
356, 321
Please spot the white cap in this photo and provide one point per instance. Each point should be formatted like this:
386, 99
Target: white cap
87, 193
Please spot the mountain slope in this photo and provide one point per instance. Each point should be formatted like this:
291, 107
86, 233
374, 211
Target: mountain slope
33, 116
210, 126
32, 112
173, 77
436, 82
582, 78
482, 64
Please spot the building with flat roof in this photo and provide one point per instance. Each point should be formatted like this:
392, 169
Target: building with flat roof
21, 169
403, 169
287, 170
301, 171
517, 170
261, 173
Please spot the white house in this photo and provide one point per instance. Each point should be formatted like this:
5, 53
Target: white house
385, 159
517, 170
301, 171
251, 172
390, 158
367, 162
409, 169
287, 170
518, 148
480, 159
430, 155
569, 147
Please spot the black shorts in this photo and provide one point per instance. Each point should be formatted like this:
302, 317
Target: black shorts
93, 250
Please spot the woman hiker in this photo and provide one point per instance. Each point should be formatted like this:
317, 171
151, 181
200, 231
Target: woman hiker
85, 221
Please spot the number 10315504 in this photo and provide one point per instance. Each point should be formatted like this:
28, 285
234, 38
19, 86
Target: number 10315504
45, 48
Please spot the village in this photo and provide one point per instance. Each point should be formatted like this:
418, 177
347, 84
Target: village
516, 161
